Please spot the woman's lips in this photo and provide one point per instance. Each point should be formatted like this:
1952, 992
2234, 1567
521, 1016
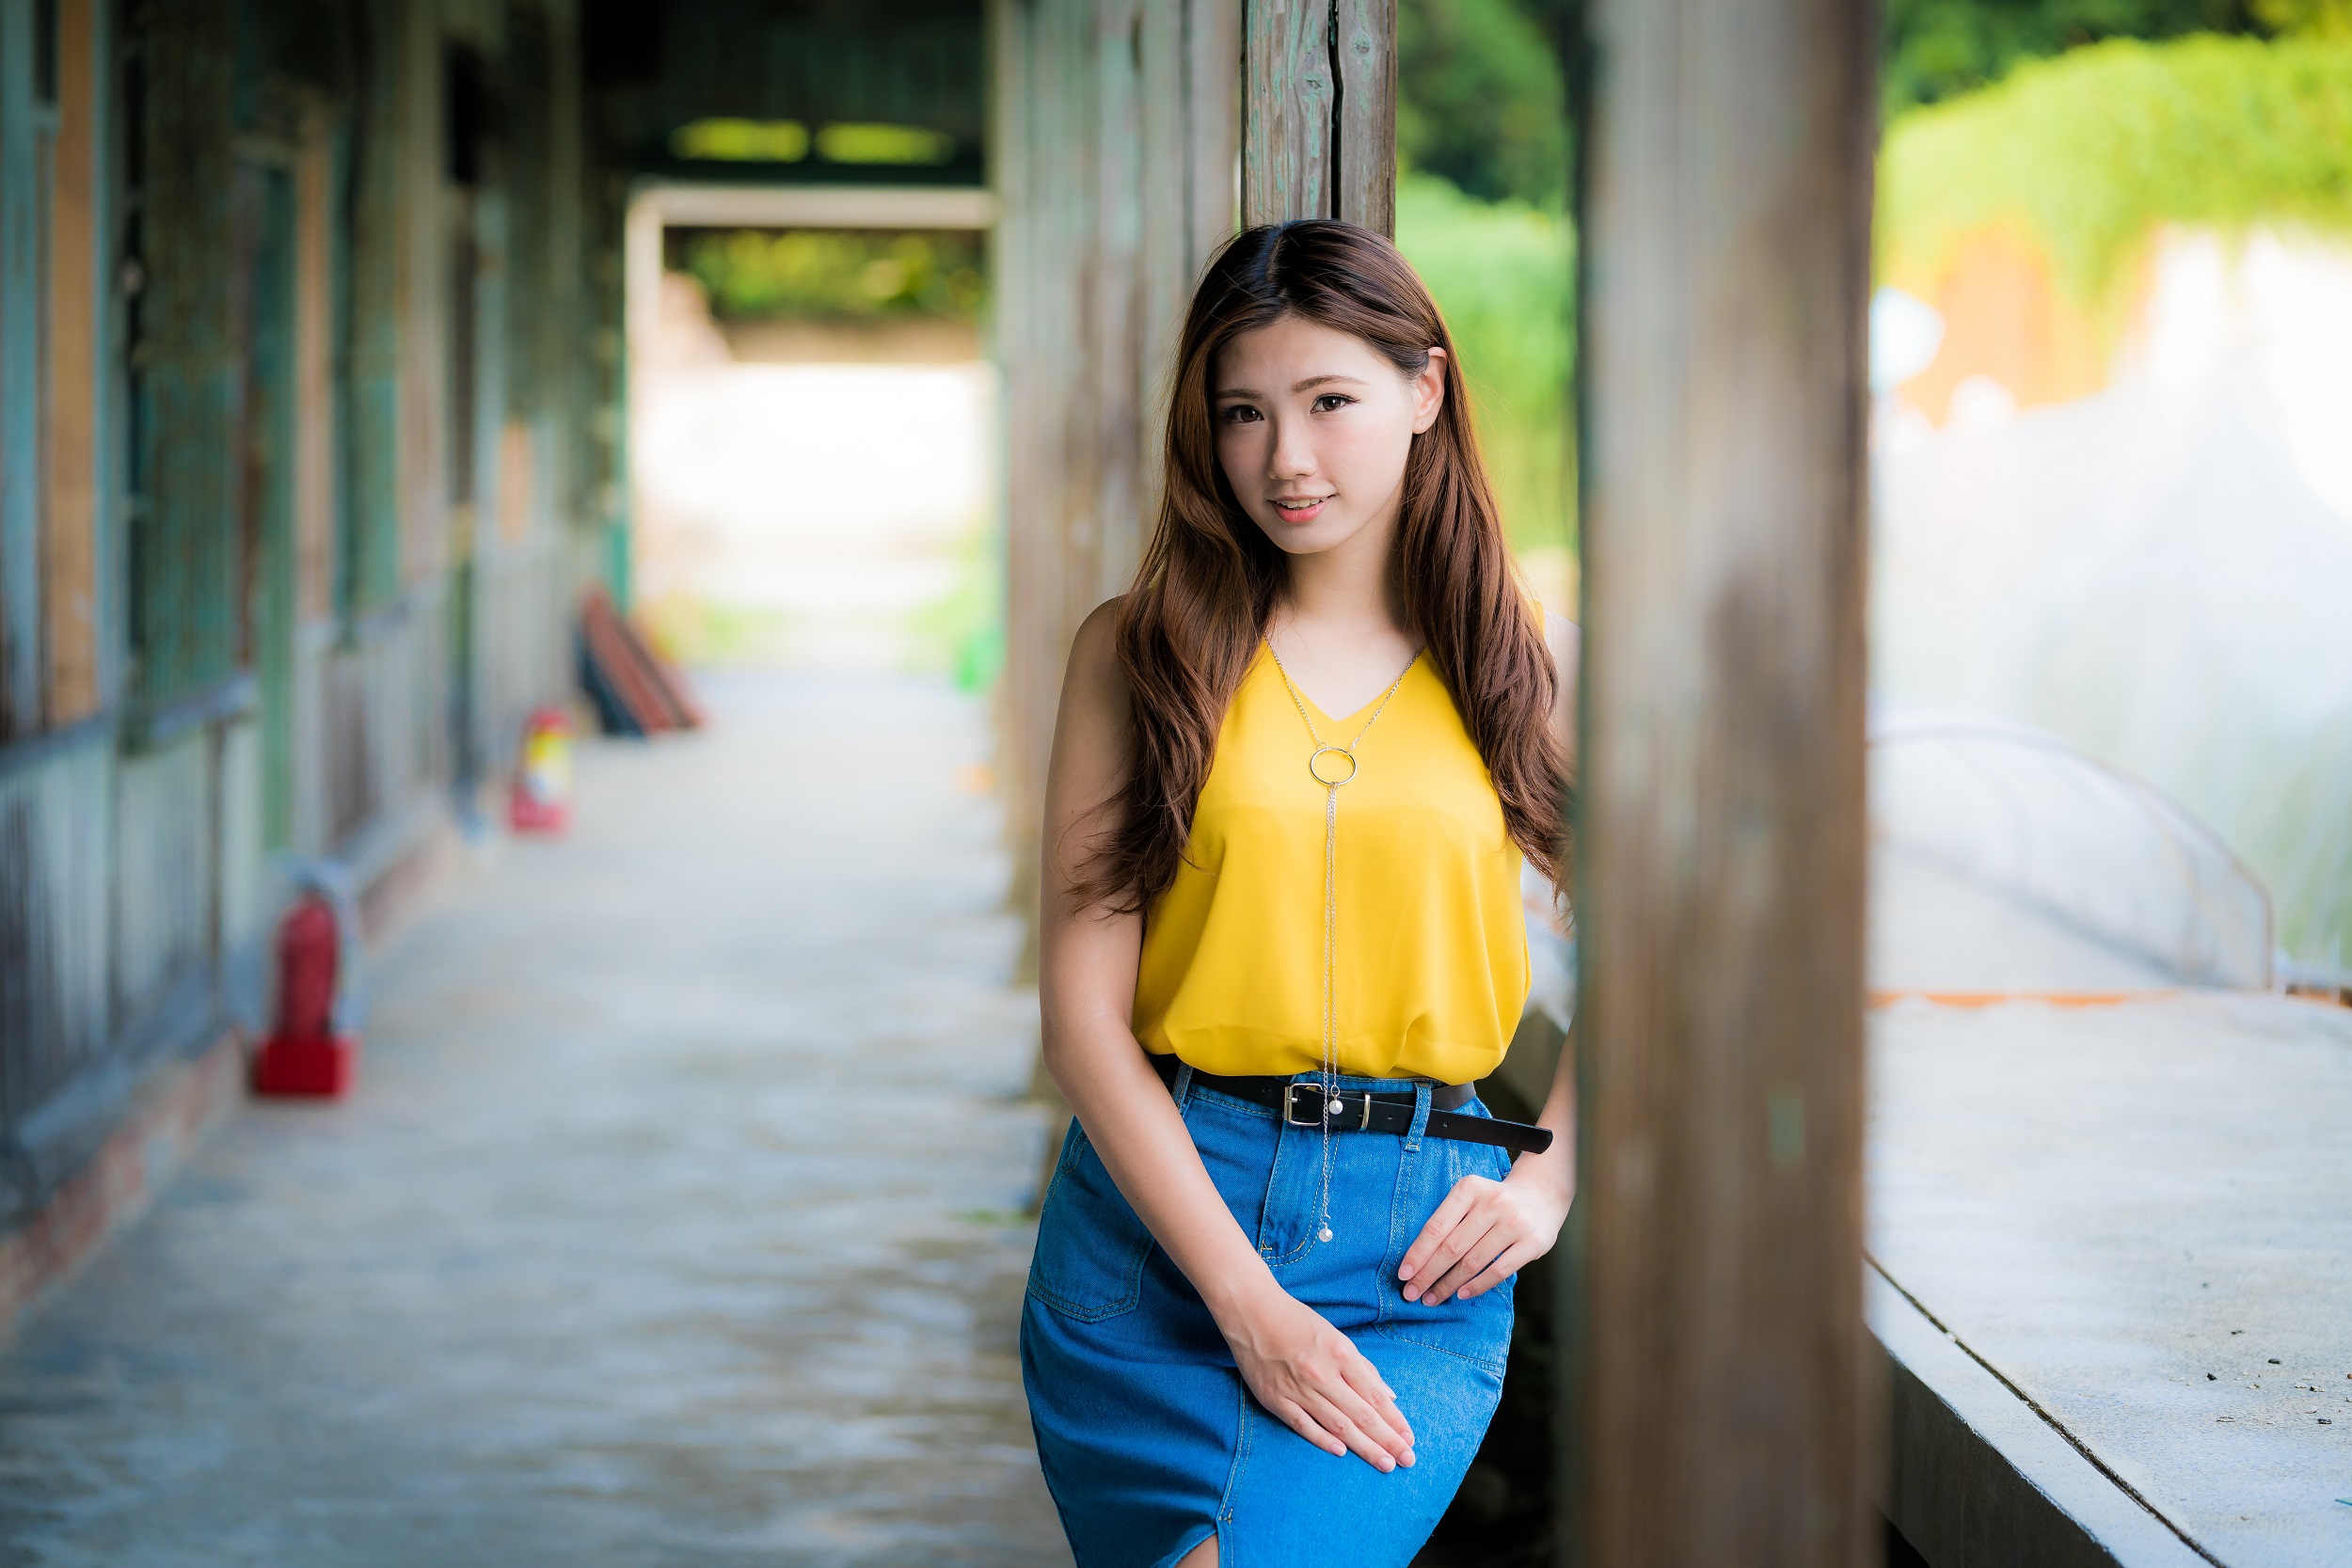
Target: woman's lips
1300, 510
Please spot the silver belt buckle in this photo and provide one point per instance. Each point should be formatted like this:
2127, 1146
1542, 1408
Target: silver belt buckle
1322, 1106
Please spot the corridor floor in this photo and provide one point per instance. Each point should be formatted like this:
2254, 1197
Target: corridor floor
677, 1220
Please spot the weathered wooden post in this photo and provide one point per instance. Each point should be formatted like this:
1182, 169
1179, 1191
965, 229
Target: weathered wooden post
1717, 1414
1319, 111
1115, 127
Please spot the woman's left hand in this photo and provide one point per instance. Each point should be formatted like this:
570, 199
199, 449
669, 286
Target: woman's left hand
1484, 1232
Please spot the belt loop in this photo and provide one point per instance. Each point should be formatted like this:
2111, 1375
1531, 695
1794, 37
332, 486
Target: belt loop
1182, 1086
1421, 1114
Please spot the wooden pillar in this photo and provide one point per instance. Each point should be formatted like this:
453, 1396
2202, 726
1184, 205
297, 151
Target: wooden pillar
21, 309
186, 363
1116, 132
1319, 111
75, 383
1718, 1411
368, 562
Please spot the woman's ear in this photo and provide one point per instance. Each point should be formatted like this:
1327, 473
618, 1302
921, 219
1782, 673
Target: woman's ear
1429, 392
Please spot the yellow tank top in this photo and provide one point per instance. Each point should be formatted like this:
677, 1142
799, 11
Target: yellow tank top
1429, 971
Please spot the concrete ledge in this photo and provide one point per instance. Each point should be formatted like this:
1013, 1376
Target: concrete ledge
166, 1122
1978, 1477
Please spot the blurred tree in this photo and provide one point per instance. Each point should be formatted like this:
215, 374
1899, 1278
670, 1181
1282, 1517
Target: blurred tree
2323, 18
2088, 156
832, 274
1480, 99
1937, 49
1501, 272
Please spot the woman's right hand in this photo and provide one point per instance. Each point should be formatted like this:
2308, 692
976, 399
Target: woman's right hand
1314, 1377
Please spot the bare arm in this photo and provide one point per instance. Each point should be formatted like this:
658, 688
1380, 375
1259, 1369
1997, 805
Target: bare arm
1297, 1365
1484, 1231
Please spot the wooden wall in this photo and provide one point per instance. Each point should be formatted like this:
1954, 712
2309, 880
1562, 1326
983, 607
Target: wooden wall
266, 624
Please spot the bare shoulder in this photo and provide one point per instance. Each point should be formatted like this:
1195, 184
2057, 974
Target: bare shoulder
1097, 641
1090, 741
1094, 672
1093, 707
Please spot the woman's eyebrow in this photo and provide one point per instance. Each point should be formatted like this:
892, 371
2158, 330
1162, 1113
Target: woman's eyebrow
1295, 386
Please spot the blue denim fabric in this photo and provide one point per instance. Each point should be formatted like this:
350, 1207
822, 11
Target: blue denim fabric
1150, 1441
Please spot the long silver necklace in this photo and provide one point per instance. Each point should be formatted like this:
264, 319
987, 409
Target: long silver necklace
1331, 777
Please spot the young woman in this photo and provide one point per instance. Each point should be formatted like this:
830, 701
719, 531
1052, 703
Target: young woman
1295, 772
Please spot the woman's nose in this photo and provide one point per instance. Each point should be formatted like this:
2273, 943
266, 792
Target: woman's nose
1293, 455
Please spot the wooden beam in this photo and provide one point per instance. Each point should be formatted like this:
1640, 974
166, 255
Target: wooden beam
315, 373
69, 564
1727, 242
1212, 88
1363, 46
421, 294
186, 596
1287, 105
21, 313
690, 206
1116, 406
1319, 111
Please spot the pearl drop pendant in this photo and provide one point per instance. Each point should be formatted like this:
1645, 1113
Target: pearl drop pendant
1324, 1234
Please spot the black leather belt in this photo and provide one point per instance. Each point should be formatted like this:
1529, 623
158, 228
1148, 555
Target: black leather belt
1305, 1104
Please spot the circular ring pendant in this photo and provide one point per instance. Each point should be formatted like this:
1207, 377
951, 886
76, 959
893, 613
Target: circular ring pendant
1316, 766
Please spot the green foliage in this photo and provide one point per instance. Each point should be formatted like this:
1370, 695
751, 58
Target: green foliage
1480, 100
787, 141
1501, 272
961, 634
832, 274
2090, 154
2317, 18
1939, 49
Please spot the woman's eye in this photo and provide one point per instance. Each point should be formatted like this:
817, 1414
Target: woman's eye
1239, 413
1330, 401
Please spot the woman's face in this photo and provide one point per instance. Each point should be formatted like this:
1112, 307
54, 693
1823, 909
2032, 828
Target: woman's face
1313, 429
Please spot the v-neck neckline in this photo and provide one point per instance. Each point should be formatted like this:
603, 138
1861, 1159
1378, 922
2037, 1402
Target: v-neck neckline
1337, 720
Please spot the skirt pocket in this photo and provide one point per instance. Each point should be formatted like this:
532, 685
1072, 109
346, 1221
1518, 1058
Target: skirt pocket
1090, 1245
1477, 1330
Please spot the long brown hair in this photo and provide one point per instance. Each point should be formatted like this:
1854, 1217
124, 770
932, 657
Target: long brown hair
1209, 578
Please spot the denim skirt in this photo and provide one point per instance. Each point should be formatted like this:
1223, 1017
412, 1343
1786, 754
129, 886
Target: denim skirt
1150, 1441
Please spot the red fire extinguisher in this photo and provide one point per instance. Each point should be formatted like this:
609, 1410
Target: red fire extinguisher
542, 799
304, 1055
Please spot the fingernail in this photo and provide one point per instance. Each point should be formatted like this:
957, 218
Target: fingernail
1412, 1293
1408, 1460
1386, 1464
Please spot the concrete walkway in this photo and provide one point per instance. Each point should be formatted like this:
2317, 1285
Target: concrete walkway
677, 1220
2139, 1217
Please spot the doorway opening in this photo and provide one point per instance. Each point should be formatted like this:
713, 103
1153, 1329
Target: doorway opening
813, 429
